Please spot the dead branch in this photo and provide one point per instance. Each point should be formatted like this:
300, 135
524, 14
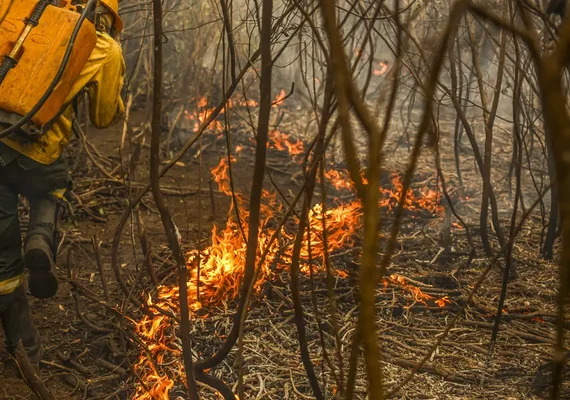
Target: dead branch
97, 251
30, 375
469, 298
260, 156
161, 205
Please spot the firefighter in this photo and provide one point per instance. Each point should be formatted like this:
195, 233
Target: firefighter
37, 169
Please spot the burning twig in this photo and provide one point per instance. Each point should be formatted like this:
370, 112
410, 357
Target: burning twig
282, 96
330, 287
294, 284
246, 299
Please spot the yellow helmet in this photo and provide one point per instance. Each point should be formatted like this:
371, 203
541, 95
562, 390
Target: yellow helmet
113, 6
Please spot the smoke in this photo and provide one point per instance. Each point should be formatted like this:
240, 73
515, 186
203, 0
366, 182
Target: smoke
199, 60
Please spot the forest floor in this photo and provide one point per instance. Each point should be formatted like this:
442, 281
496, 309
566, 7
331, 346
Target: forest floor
85, 358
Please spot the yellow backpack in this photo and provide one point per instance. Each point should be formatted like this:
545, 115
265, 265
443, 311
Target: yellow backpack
36, 46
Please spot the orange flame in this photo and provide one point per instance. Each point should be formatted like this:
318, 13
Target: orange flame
339, 179
281, 141
222, 264
202, 102
382, 70
279, 98
429, 199
443, 302
222, 267
201, 113
417, 294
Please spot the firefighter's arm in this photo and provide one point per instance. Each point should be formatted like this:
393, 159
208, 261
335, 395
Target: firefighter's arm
105, 104
103, 77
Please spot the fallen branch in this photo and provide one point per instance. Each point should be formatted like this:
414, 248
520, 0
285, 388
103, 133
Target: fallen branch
30, 374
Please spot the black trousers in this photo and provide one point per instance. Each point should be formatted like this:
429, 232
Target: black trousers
19, 175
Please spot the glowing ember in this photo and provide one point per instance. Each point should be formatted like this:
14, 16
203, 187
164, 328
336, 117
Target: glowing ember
443, 301
242, 103
456, 225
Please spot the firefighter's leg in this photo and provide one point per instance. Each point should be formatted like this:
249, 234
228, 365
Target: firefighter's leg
43, 185
40, 246
18, 325
11, 262
14, 308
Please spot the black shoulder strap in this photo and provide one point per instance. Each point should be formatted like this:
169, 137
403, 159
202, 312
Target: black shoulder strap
74, 103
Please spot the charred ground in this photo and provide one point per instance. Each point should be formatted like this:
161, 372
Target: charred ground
88, 357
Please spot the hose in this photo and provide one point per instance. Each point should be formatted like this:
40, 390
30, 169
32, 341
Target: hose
26, 118
7, 64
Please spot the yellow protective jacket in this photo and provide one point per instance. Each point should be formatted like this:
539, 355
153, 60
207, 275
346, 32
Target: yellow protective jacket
103, 76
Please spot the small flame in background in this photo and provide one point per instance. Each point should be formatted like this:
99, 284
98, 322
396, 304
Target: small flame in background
280, 98
282, 141
417, 295
429, 199
381, 70
201, 113
222, 264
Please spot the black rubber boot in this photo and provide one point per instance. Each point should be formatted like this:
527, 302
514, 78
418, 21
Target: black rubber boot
40, 249
18, 325
39, 260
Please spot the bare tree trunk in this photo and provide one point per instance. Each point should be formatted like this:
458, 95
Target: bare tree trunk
162, 207
260, 151
369, 196
548, 248
557, 122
